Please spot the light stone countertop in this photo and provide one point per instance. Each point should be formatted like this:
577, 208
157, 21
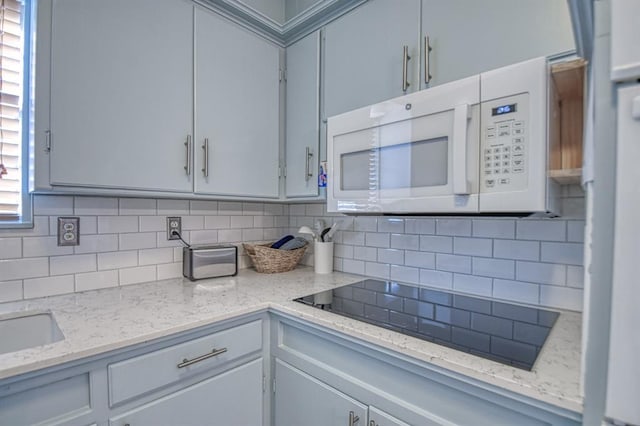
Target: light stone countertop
95, 322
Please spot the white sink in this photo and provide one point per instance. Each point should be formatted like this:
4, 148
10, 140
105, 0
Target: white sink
22, 330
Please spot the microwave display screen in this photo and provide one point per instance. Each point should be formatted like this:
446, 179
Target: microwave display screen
504, 109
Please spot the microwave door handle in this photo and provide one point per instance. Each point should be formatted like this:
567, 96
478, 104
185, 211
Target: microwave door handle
460, 123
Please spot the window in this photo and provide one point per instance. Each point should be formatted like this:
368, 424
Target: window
14, 112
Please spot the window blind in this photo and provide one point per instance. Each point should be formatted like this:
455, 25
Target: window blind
11, 82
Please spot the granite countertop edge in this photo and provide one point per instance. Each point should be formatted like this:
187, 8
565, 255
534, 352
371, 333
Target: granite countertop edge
145, 312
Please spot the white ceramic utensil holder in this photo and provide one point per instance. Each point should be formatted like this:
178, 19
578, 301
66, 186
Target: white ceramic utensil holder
323, 257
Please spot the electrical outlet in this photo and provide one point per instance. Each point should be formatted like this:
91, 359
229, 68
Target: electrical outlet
68, 231
174, 224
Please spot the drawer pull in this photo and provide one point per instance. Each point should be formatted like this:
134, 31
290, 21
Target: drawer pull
187, 362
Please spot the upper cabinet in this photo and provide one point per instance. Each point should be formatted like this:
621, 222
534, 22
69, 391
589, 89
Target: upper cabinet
161, 96
237, 92
121, 94
303, 117
382, 49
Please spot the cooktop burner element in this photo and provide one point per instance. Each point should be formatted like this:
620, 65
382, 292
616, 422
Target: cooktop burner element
502, 332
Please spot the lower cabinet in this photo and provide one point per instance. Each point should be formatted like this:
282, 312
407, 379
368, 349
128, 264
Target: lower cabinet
231, 398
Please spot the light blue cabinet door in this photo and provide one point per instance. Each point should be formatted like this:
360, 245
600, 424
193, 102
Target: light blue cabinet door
364, 54
380, 418
121, 93
231, 398
303, 400
303, 117
237, 108
469, 37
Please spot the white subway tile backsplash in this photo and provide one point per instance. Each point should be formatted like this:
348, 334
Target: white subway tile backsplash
353, 266
436, 278
190, 223
256, 234
365, 253
519, 250
365, 224
96, 280
137, 275
229, 208
252, 209
43, 246
10, 248
420, 259
18, 269
573, 208
152, 223
343, 252
117, 260
97, 244
173, 207
405, 241
274, 210
217, 222
242, 221
575, 231
472, 284
516, 291
494, 228
353, 238
375, 239
61, 265
203, 237
137, 206
561, 297
155, 256
162, 241
391, 224
297, 209
405, 274
436, 244
263, 222
141, 240
542, 230
314, 210
378, 270
541, 273
53, 205
567, 253
496, 268
420, 226
453, 263
391, 256
204, 208
48, 286
457, 227
95, 206
229, 235
575, 276
117, 224
271, 234
10, 291
88, 225
169, 270
473, 246
40, 228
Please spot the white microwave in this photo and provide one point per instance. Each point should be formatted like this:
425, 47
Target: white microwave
476, 145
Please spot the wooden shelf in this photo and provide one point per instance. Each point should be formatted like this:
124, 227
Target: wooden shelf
566, 176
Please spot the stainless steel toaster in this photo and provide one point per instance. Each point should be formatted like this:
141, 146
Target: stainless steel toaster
200, 262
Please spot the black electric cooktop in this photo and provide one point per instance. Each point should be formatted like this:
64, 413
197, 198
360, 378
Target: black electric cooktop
502, 332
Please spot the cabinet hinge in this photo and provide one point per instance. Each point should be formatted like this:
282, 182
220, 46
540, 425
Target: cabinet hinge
47, 141
264, 383
273, 385
282, 75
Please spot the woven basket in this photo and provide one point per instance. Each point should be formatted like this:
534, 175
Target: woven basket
271, 261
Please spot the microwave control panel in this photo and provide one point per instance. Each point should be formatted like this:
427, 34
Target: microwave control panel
504, 144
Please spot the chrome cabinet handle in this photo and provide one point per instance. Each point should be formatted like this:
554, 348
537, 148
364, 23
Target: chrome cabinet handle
205, 168
187, 166
372, 423
187, 362
353, 419
47, 141
427, 62
405, 68
308, 173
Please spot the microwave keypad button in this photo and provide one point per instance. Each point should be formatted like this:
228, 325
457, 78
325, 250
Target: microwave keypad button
518, 131
518, 169
487, 151
518, 140
496, 164
490, 183
504, 181
496, 157
487, 158
504, 133
506, 156
506, 163
491, 135
496, 150
491, 128
506, 148
518, 125
505, 171
518, 148
504, 126
518, 162
487, 172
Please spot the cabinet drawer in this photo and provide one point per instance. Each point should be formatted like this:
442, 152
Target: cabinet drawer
145, 373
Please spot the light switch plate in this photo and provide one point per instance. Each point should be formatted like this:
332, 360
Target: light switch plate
68, 231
